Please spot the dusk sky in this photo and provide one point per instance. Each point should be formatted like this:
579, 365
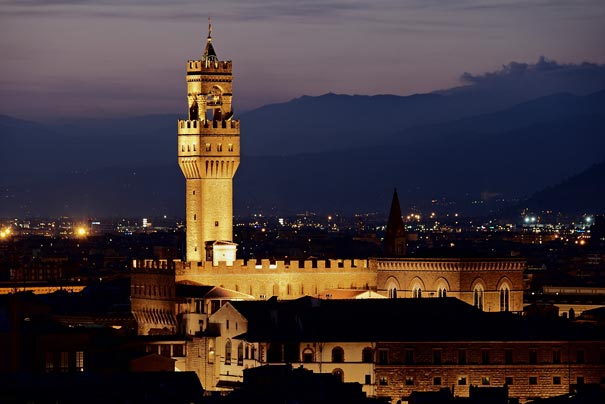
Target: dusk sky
117, 58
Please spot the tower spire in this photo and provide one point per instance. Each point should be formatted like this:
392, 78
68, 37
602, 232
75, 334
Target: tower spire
395, 238
209, 53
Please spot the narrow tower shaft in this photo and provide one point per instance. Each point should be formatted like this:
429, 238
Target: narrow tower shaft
209, 153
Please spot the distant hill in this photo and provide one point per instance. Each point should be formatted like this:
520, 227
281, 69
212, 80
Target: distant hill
332, 153
579, 194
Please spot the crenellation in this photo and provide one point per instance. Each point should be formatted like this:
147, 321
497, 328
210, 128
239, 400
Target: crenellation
198, 66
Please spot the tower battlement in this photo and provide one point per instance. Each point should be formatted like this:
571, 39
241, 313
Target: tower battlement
203, 127
202, 67
259, 266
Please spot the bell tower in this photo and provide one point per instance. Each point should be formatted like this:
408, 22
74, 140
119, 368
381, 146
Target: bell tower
209, 154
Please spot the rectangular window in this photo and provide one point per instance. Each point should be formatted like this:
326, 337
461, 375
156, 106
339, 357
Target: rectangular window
485, 380
219, 147
409, 380
178, 350
208, 147
437, 356
230, 147
64, 361
462, 356
227, 324
508, 380
409, 356
437, 381
556, 380
580, 380
49, 363
508, 356
368, 379
533, 356
533, 380
485, 357
384, 381
80, 361
556, 356
383, 356
461, 380
580, 356
165, 350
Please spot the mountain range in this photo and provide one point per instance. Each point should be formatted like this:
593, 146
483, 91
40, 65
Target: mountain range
469, 151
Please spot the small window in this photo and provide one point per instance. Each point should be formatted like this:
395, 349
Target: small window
230, 147
508, 380
384, 381
339, 374
580, 380
508, 356
556, 356
485, 380
462, 356
228, 352
240, 354
64, 361
437, 356
556, 380
533, 380
533, 356
194, 216
437, 381
580, 356
409, 380
210, 351
461, 380
208, 147
307, 356
368, 379
383, 356
219, 147
485, 357
227, 324
216, 223
338, 355
478, 297
409, 356
366, 355
80, 361
50, 362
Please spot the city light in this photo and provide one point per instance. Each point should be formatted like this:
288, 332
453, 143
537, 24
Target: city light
81, 231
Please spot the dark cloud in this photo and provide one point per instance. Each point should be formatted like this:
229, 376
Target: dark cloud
544, 75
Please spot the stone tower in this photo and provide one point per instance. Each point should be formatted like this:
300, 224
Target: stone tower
395, 238
209, 154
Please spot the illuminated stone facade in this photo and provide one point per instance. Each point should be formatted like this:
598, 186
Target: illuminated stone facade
208, 154
489, 284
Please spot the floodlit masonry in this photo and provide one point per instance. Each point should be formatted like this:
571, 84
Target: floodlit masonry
488, 284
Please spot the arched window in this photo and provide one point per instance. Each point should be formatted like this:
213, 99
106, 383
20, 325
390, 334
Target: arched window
417, 292
442, 292
228, 352
504, 298
307, 356
478, 297
367, 355
393, 292
210, 351
240, 354
338, 355
339, 373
